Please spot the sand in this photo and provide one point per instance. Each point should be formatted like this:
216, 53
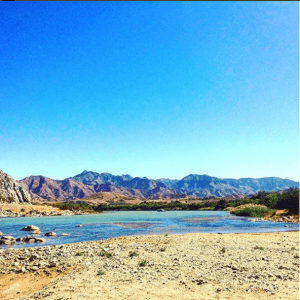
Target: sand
190, 266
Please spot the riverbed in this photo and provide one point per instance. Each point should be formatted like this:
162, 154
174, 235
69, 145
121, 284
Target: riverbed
126, 223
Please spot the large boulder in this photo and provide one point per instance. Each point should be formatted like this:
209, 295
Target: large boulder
11, 191
7, 240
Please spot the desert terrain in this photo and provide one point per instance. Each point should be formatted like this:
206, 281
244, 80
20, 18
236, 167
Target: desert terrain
190, 266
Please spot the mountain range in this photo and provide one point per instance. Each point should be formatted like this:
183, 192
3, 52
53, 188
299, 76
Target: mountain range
88, 183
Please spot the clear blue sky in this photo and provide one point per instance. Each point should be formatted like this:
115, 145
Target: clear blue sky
156, 89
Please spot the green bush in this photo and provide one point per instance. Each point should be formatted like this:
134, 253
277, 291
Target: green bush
257, 212
221, 205
145, 206
105, 253
271, 200
132, 254
289, 200
143, 263
100, 272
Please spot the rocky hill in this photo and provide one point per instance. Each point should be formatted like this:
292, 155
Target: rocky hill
51, 189
88, 183
11, 191
110, 187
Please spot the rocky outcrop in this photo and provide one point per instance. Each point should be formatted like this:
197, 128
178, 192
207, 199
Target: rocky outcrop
11, 191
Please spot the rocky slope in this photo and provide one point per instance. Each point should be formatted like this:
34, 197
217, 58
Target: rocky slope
50, 189
110, 187
11, 191
88, 183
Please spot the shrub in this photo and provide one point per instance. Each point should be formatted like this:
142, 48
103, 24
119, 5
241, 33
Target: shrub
100, 272
105, 253
223, 250
256, 212
132, 254
271, 200
163, 249
220, 205
143, 263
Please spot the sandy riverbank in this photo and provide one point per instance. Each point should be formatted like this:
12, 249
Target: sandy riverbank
191, 266
30, 210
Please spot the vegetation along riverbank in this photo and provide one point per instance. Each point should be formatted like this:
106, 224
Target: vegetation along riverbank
276, 206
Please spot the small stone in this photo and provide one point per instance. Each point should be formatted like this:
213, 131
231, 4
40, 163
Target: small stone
35, 232
40, 240
31, 228
52, 265
51, 233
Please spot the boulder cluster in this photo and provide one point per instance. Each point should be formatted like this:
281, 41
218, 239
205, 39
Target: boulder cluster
9, 240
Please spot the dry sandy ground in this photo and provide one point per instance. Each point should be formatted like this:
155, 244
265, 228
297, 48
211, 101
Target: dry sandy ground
17, 208
191, 266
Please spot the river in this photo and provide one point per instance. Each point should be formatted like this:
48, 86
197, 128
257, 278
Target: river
124, 223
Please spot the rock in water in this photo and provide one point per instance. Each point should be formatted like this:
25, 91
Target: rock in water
11, 191
31, 228
40, 240
51, 233
7, 240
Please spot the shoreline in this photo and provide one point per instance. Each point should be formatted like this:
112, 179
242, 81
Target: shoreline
39, 239
6, 247
33, 210
180, 266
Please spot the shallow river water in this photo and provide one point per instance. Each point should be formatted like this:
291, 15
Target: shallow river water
123, 223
